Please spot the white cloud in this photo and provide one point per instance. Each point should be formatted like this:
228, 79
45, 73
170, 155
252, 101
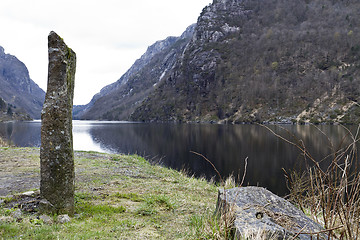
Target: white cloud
107, 35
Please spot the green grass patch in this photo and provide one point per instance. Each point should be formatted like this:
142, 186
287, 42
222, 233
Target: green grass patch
159, 200
118, 197
131, 196
89, 209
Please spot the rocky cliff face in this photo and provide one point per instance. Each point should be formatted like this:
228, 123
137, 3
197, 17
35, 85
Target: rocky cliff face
261, 60
18, 91
118, 100
247, 61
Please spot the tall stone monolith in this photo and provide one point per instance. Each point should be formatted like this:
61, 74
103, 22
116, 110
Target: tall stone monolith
56, 152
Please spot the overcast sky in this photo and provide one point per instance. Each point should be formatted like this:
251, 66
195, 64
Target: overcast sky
107, 35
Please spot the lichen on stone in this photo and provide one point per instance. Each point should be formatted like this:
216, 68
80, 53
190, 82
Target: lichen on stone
56, 152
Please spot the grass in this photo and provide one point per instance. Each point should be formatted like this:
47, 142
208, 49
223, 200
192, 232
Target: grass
211, 226
117, 197
123, 197
126, 197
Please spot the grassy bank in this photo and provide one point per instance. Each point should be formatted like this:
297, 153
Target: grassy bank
117, 197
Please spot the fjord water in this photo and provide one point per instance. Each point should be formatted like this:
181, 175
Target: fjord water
226, 146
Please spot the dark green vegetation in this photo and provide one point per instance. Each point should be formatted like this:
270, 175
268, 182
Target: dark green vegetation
20, 97
253, 61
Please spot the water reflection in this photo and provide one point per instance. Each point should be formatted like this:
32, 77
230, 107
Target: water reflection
24, 134
83, 140
226, 146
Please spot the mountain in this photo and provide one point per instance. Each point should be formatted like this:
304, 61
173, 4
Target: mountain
265, 60
118, 100
20, 97
9, 112
252, 61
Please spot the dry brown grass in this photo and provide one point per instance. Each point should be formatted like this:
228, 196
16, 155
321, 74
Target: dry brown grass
220, 225
330, 195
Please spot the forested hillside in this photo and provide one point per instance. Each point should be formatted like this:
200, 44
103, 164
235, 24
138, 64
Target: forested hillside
265, 60
247, 61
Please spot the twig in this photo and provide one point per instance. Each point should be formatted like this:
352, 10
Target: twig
199, 154
297, 234
300, 147
323, 231
243, 178
334, 191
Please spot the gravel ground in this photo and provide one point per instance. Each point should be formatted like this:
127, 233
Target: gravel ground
20, 168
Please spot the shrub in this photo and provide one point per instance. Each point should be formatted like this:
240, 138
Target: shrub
330, 194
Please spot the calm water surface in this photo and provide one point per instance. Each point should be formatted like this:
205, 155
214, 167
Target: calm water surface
226, 146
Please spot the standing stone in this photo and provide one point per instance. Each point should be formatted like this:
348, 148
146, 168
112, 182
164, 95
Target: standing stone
56, 152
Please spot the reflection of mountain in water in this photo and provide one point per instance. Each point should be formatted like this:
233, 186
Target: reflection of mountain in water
226, 146
24, 134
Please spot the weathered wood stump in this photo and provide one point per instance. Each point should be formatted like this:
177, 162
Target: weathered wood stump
56, 152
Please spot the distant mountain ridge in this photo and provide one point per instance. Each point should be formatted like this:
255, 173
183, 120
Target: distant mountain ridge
250, 61
21, 97
118, 100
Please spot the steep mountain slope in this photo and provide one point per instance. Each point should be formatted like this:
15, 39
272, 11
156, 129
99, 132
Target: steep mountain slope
265, 60
22, 95
9, 112
118, 100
